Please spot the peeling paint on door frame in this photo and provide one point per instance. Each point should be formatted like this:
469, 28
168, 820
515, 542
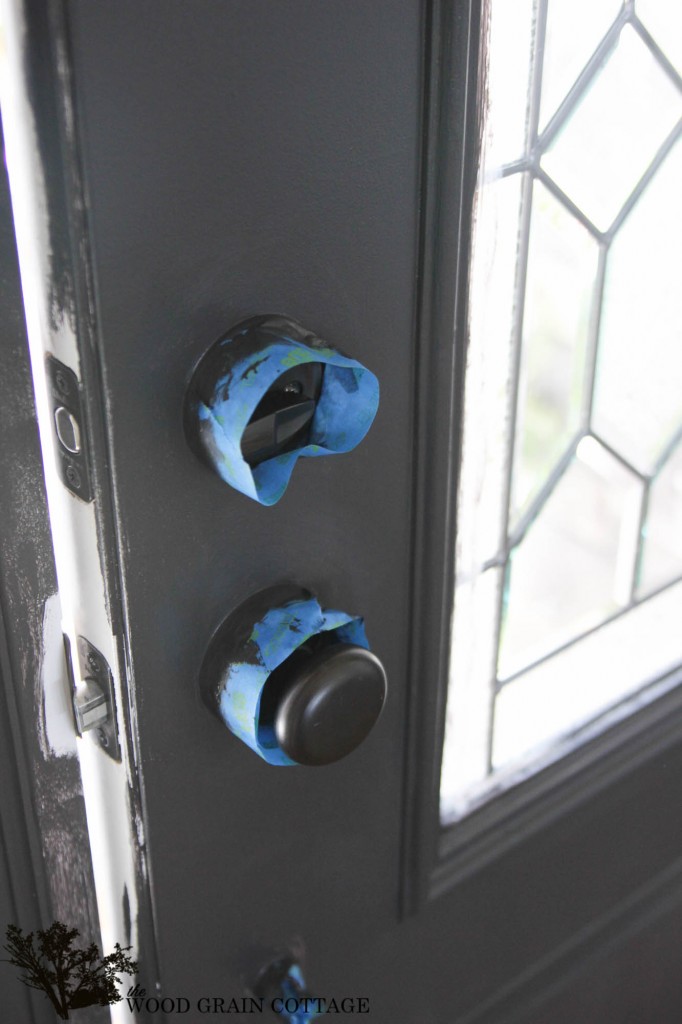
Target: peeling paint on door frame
50, 283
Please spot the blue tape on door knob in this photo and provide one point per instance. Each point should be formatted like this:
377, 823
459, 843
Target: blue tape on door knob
235, 376
272, 640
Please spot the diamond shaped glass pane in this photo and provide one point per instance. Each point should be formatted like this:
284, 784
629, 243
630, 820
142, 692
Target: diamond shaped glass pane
509, 63
573, 32
574, 566
638, 395
662, 547
663, 19
611, 138
562, 265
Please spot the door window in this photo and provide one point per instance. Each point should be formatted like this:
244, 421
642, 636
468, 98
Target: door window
568, 583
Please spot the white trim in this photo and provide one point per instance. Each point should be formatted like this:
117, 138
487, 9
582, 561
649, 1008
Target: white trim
73, 523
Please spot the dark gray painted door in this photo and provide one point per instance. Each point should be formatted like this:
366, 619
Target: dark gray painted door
248, 157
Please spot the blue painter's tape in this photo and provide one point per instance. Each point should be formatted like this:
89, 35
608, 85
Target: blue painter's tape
277, 635
344, 412
296, 1009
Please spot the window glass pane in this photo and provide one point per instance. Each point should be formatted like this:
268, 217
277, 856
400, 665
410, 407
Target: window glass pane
638, 397
572, 35
510, 56
565, 692
470, 700
662, 540
663, 19
568, 581
490, 369
574, 566
613, 135
562, 268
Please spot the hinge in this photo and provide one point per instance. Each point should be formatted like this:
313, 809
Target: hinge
68, 428
92, 697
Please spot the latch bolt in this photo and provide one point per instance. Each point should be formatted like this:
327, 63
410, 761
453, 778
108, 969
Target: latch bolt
90, 705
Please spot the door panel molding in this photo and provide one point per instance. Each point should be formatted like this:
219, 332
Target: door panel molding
451, 129
660, 895
557, 791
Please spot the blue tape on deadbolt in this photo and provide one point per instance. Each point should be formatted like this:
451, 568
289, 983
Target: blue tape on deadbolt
279, 633
347, 405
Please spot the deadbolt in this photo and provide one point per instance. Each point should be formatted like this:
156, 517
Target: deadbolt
282, 419
268, 393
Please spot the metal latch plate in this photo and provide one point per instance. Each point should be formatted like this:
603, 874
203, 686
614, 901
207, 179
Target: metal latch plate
69, 429
93, 698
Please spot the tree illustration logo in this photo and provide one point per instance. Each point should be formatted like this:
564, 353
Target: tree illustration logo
71, 978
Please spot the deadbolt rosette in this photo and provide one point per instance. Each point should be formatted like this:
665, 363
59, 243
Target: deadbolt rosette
269, 392
296, 683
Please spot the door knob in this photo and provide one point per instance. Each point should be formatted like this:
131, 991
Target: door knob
269, 392
324, 702
298, 684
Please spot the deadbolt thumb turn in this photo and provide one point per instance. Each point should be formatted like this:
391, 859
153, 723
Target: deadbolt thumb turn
268, 393
296, 683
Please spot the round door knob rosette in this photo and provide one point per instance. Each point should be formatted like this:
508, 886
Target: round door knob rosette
296, 683
269, 393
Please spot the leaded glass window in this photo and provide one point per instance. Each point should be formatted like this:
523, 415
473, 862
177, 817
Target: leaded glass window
568, 595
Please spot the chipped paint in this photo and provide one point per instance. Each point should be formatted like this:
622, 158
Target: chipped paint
82, 607
56, 731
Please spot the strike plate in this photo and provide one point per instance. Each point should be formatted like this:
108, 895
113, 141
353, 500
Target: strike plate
69, 429
94, 669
